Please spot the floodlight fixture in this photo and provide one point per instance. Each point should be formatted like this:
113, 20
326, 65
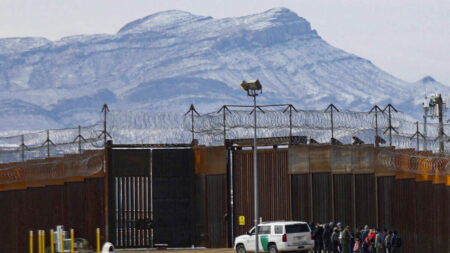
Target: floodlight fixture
252, 87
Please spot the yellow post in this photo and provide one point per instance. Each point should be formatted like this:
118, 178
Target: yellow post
98, 240
43, 241
52, 241
62, 241
72, 239
39, 241
31, 241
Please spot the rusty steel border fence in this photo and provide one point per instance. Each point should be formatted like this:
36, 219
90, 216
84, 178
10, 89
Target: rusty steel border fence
384, 197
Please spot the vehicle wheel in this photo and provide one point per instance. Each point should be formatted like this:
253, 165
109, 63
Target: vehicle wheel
240, 249
273, 248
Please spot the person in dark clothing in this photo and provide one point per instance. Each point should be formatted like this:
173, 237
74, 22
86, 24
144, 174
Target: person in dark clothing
396, 242
326, 237
312, 225
364, 234
345, 238
387, 242
385, 233
318, 240
335, 240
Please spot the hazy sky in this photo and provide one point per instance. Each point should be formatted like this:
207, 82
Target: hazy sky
407, 38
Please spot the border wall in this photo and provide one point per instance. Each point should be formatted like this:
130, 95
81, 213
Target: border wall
356, 185
67, 191
350, 184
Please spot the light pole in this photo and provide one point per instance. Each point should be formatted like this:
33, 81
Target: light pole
253, 89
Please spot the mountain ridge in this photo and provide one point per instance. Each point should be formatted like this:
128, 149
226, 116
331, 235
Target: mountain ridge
182, 58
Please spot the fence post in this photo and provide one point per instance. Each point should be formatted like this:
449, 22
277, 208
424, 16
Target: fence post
104, 133
192, 111
40, 241
98, 240
48, 142
330, 108
290, 107
31, 241
390, 128
376, 109
62, 240
43, 241
52, 241
224, 108
22, 146
72, 238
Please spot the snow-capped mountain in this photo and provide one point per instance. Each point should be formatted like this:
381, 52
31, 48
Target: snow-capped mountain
171, 59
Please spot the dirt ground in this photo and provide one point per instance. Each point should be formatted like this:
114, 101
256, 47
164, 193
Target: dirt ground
225, 250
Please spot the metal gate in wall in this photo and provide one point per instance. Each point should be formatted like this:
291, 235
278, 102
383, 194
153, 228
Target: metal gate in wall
151, 194
130, 198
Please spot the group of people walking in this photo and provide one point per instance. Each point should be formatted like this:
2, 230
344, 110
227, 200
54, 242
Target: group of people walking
335, 238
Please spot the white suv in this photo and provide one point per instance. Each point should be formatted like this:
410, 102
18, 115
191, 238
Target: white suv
277, 237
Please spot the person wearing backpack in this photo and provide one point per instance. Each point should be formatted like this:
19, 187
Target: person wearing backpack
369, 242
396, 243
379, 240
387, 241
326, 236
345, 240
335, 240
318, 240
364, 244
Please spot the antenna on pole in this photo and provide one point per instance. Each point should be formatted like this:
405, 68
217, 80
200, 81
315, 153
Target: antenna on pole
105, 133
378, 139
224, 109
48, 142
290, 107
332, 108
192, 110
79, 138
417, 134
390, 108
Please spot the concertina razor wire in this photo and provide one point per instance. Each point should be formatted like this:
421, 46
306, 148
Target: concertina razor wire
210, 129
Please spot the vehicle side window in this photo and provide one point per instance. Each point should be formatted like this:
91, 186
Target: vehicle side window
278, 229
264, 230
252, 231
297, 228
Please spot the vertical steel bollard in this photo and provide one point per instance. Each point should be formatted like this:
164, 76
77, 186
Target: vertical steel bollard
31, 241
72, 240
62, 240
43, 241
98, 240
39, 241
52, 241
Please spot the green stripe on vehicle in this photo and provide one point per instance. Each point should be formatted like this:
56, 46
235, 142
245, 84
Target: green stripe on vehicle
264, 242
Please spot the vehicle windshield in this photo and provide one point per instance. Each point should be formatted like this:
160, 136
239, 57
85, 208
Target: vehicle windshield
297, 228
